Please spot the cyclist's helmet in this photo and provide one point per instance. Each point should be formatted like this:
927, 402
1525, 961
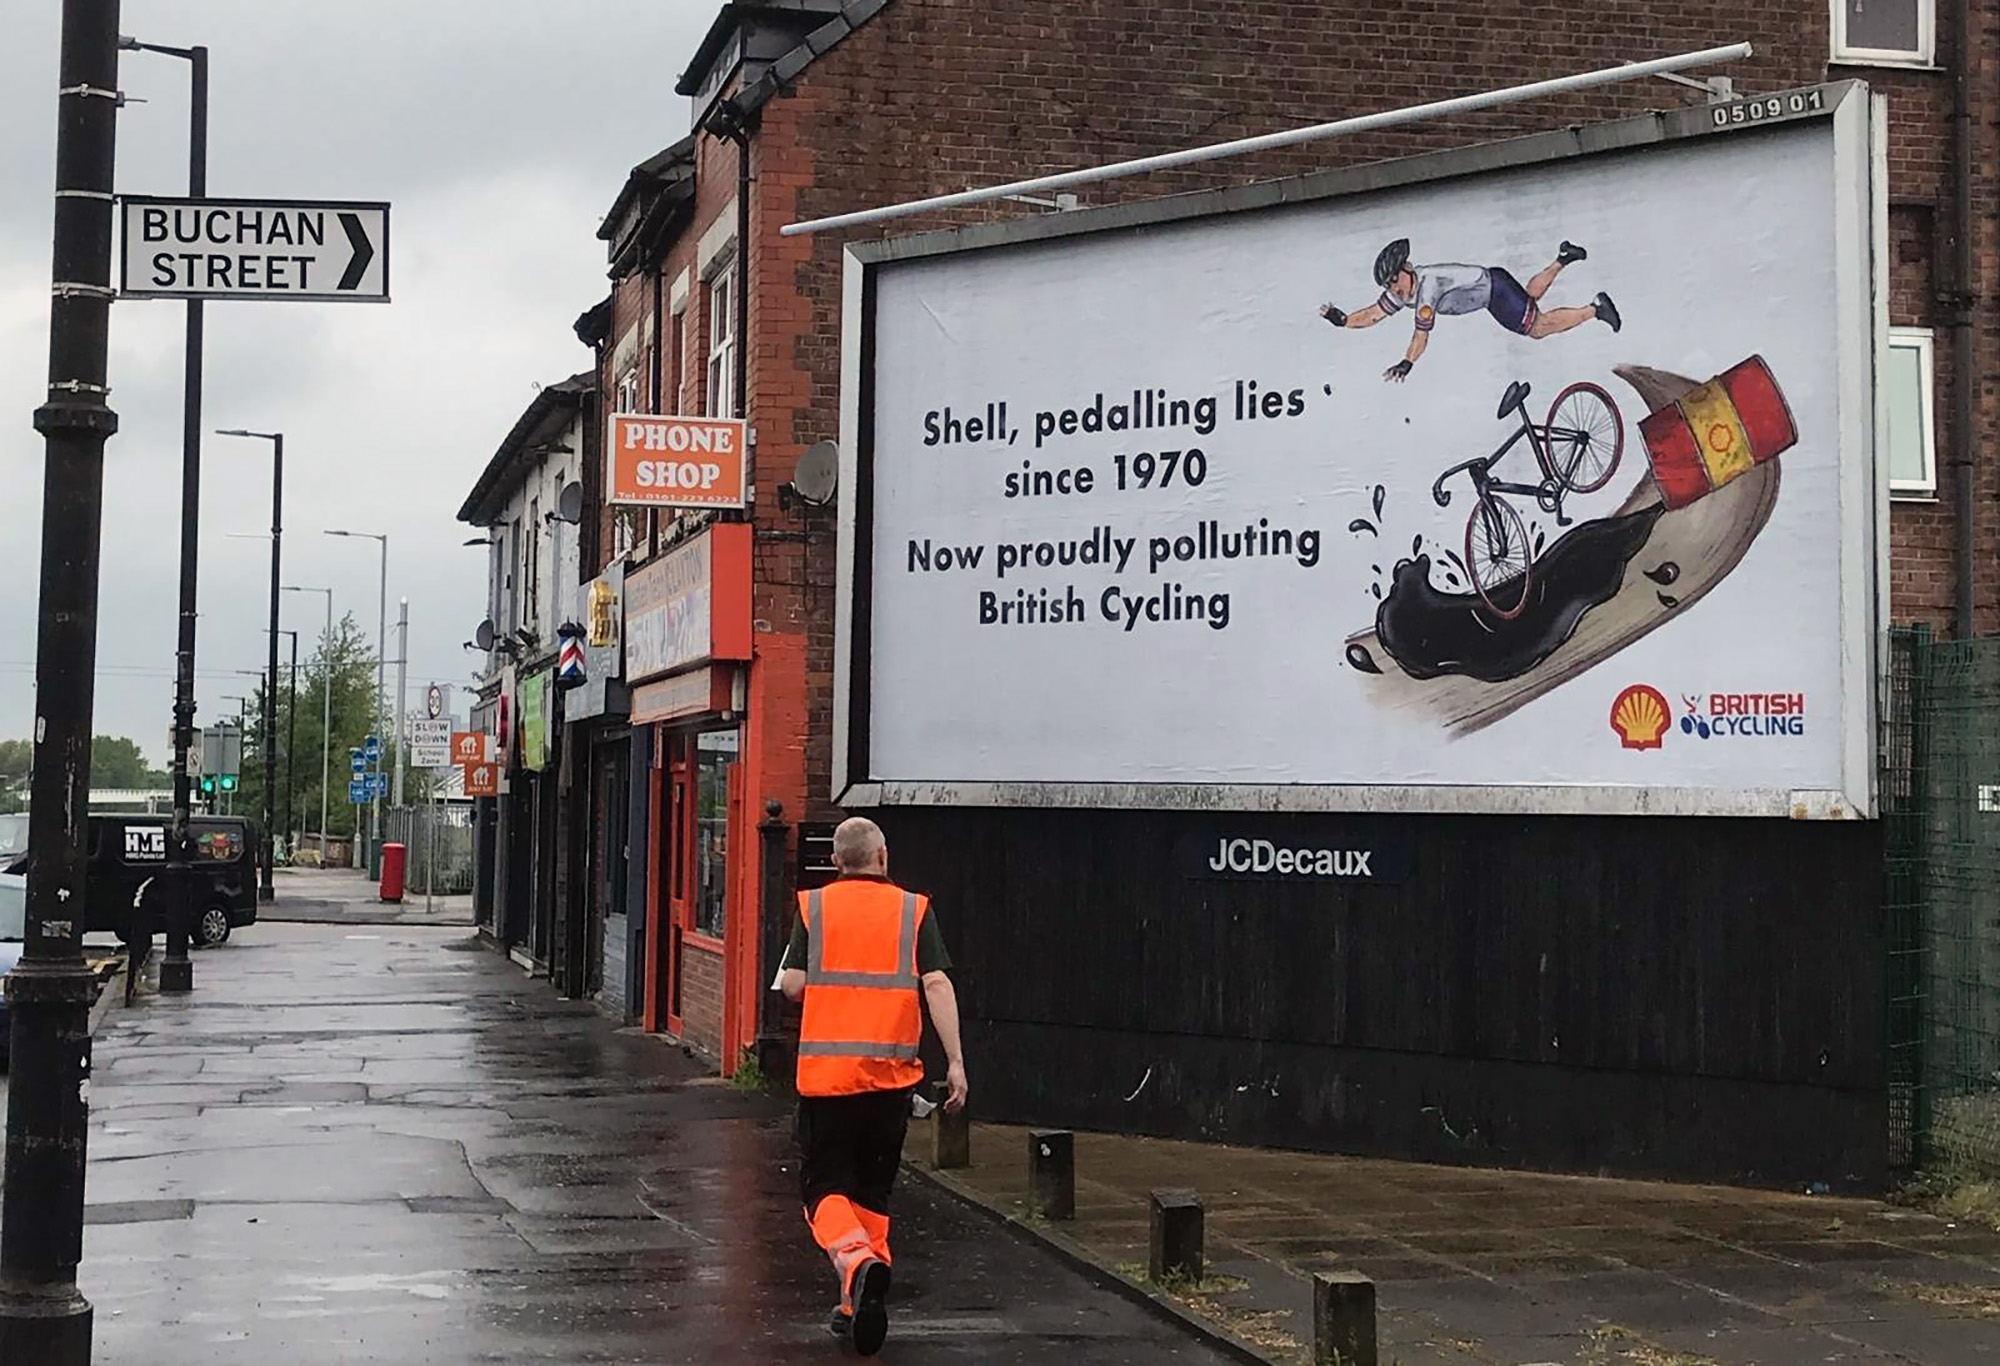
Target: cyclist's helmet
1391, 262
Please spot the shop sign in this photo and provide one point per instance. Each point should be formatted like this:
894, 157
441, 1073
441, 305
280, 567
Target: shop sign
690, 606
690, 462
482, 780
534, 699
698, 691
602, 692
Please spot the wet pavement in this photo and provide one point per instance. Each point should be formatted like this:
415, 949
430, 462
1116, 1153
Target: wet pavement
1502, 1268
347, 896
391, 1146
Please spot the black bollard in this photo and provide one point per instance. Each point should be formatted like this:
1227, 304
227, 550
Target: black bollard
1177, 1235
1052, 1173
1343, 1319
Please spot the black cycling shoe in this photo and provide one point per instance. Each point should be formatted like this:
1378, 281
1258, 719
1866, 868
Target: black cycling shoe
871, 1309
1607, 312
1569, 253
841, 1325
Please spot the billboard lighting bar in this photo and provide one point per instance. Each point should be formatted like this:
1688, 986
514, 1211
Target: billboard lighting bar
1363, 123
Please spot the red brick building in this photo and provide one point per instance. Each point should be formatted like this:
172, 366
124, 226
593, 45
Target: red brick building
841, 105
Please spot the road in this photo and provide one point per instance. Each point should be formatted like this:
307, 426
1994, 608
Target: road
390, 1145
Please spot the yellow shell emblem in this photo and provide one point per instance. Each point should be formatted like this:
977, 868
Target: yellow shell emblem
1640, 716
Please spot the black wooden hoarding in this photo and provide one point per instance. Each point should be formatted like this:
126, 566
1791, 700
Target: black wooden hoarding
1694, 997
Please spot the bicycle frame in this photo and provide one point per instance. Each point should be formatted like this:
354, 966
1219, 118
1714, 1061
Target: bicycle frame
1548, 494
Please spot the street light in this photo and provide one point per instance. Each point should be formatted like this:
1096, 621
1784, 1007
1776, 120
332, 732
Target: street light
326, 706
291, 749
265, 890
381, 660
177, 970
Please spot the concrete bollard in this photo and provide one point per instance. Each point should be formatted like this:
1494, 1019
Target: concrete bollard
1177, 1235
951, 1135
1343, 1319
1052, 1173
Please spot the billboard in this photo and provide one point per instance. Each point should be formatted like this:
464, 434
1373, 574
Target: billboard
1534, 477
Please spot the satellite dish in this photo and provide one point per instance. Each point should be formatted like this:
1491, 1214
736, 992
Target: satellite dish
484, 636
569, 503
817, 473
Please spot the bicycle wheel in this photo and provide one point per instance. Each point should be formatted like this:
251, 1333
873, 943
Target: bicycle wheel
1498, 557
1586, 436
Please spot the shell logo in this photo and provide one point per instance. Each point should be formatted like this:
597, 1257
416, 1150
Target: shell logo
1640, 716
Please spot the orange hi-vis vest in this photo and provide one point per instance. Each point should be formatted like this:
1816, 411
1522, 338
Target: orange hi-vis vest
863, 1020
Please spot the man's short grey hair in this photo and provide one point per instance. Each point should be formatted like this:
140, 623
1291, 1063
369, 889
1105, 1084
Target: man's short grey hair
856, 842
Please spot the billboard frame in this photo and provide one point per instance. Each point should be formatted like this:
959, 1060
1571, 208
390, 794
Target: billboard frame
1860, 137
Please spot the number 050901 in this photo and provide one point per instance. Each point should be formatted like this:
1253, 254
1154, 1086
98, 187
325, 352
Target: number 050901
1768, 108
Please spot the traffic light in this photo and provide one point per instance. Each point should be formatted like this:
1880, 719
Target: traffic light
229, 782
208, 784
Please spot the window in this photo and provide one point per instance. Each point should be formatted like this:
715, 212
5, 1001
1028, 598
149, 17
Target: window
1884, 31
531, 569
513, 574
628, 391
677, 365
721, 348
715, 754
1912, 435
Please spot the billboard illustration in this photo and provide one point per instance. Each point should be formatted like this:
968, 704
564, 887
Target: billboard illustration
1541, 487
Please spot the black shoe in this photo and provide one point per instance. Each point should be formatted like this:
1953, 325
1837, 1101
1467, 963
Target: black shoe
871, 1309
1607, 312
841, 1325
1569, 253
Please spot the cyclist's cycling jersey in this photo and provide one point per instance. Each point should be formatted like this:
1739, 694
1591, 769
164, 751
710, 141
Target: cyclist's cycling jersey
1447, 289
1455, 289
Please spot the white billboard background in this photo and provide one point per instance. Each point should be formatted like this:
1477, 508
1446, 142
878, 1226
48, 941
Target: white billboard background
1714, 250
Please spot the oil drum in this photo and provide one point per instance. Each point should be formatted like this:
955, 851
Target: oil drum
1717, 432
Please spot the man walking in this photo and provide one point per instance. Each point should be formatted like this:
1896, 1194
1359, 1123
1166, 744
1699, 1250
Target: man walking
869, 949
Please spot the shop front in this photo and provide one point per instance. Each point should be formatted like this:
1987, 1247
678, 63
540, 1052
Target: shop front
604, 753
687, 660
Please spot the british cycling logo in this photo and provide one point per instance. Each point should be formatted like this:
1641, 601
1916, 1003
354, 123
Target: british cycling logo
1740, 715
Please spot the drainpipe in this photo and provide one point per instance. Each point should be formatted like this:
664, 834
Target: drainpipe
1964, 375
728, 121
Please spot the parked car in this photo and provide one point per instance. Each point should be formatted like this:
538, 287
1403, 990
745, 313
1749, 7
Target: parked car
126, 852
13, 929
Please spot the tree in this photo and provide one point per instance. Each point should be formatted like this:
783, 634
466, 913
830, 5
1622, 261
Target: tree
117, 762
348, 660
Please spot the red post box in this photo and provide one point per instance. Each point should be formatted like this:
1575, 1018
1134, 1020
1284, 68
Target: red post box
393, 856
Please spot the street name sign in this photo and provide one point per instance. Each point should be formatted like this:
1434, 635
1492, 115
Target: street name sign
329, 251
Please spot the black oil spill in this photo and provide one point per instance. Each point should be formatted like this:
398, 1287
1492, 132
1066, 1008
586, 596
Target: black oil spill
1358, 656
1381, 494
1417, 546
1668, 599
1431, 633
1664, 574
1360, 525
1376, 589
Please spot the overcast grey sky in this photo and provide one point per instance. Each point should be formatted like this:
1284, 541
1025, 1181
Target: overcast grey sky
499, 130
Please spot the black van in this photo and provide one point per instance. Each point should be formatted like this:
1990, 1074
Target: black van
126, 851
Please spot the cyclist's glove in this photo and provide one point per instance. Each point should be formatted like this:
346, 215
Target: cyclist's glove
1400, 370
1333, 315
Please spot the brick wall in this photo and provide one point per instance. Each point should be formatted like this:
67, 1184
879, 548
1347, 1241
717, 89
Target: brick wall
935, 95
701, 998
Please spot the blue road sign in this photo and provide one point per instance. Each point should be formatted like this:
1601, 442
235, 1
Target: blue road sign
378, 784
372, 748
360, 764
357, 791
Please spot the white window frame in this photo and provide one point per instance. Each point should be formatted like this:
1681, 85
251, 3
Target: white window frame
1925, 54
1920, 340
719, 397
627, 400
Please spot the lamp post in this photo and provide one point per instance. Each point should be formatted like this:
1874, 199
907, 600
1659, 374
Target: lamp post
381, 662
326, 706
177, 969
43, 1317
265, 890
291, 748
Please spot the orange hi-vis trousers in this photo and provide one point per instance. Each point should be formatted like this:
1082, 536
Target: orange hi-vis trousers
852, 1237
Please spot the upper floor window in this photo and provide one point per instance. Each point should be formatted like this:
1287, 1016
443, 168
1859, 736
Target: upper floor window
628, 391
1885, 31
1912, 434
721, 348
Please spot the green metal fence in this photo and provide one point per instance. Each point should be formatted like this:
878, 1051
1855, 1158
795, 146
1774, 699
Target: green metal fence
1941, 811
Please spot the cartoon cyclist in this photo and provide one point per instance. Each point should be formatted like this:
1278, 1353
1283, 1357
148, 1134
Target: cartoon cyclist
1455, 289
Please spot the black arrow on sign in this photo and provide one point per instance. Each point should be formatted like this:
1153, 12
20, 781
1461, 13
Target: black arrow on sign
364, 251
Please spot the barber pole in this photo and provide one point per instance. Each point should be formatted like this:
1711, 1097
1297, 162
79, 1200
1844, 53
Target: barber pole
569, 663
